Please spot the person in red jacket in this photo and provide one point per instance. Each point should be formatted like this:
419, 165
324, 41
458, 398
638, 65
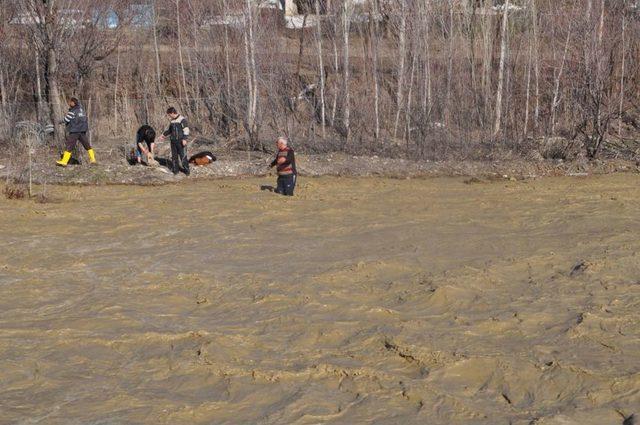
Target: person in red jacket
285, 163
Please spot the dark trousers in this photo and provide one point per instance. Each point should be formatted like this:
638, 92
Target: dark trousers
286, 185
74, 138
179, 158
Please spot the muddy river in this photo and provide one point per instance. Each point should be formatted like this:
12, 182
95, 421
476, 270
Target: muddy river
357, 301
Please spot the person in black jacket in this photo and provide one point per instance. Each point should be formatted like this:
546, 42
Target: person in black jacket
178, 133
285, 163
77, 127
145, 144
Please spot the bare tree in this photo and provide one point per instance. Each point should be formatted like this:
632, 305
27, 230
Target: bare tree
443, 77
402, 56
251, 71
503, 59
623, 67
320, 67
156, 49
49, 32
346, 29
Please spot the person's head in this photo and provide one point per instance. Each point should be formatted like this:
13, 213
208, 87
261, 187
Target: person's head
72, 102
172, 113
149, 135
282, 143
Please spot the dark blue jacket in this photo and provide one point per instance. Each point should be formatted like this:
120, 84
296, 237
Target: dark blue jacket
178, 130
76, 120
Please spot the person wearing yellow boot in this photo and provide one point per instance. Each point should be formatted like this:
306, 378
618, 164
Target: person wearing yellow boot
77, 127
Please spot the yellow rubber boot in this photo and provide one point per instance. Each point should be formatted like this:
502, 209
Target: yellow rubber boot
66, 156
92, 156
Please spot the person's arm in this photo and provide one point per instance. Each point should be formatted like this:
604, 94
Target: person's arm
274, 162
142, 147
163, 136
67, 118
185, 131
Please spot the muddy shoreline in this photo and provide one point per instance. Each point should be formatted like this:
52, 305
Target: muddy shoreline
244, 165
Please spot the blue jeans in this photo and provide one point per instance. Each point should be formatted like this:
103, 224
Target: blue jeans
138, 153
286, 185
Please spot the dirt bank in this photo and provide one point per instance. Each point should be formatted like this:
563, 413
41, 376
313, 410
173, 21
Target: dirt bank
358, 301
115, 170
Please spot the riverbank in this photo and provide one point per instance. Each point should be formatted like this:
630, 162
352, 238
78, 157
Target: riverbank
117, 171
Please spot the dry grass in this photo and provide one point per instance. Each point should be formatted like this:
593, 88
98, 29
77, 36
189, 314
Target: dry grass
15, 192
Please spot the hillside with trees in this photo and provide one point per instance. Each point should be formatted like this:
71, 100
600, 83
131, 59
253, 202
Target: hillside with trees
422, 79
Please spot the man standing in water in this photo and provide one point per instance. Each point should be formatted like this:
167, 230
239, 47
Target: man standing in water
178, 133
285, 163
77, 127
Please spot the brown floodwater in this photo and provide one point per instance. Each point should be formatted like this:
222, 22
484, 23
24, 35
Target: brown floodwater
357, 301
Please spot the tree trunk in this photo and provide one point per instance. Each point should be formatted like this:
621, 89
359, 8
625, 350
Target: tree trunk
115, 94
321, 66
3, 93
447, 104
185, 93
252, 81
556, 91
55, 106
156, 49
247, 22
374, 59
407, 112
38, 86
503, 59
402, 40
622, 76
536, 61
346, 16
427, 99
196, 70
254, 73
528, 92
336, 68
471, 35
301, 45
227, 65
487, 56
600, 68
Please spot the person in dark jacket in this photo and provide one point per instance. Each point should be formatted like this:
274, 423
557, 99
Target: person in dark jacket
178, 133
145, 144
285, 163
77, 127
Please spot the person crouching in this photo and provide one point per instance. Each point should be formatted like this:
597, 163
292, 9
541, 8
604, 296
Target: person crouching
77, 127
285, 163
178, 133
145, 144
